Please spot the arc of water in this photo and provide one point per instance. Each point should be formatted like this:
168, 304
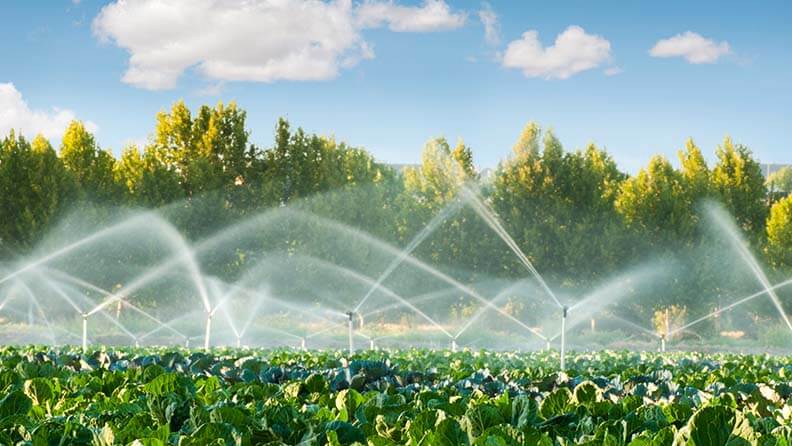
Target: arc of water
326, 329
369, 281
287, 305
436, 273
416, 299
41, 311
480, 312
635, 326
732, 305
88, 285
760, 275
170, 322
489, 216
447, 211
68, 248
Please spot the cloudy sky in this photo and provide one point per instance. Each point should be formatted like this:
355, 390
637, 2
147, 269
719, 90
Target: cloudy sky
636, 77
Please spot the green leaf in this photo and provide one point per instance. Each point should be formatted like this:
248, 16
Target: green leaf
448, 433
720, 426
15, 403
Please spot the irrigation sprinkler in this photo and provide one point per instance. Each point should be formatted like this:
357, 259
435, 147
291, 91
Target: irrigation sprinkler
209, 315
371, 345
238, 341
303, 347
186, 342
564, 311
351, 330
454, 345
667, 331
137, 342
547, 345
85, 332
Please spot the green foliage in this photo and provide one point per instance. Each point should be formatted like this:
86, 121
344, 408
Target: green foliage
781, 180
194, 398
559, 206
575, 215
779, 233
737, 179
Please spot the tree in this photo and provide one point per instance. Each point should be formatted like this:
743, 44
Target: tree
653, 203
146, 179
210, 152
35, 189
559, 206
781, 180
91, 167
738, 182
779, 233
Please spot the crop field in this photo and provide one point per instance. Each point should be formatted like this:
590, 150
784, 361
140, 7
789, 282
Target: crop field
415, 397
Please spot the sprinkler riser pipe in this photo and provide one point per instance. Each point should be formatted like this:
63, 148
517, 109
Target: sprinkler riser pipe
85, 333
563, 339
303, 346
239, 342
453, 346
208, 331
663, 343
351, 330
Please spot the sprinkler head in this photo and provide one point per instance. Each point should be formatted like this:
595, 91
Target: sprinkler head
564, 310
350, 315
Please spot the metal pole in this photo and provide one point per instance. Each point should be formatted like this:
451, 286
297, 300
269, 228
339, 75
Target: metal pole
663, 343
208, 330
563, 338
239, 341
302, 344
547, 345
351, 326
371, 345
85, 333
453, 345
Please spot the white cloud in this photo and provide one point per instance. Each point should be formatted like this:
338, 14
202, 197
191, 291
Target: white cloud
613, 71
695, 48
572, 52
432, 15
15, 114
489, 19
253, 40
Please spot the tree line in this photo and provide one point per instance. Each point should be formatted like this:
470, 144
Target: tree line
577, 216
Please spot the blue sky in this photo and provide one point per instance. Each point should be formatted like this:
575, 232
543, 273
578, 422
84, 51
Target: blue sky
401, 73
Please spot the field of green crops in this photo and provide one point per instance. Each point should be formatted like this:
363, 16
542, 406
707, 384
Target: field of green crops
416, 397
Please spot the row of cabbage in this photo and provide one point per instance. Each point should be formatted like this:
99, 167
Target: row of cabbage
414, 397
